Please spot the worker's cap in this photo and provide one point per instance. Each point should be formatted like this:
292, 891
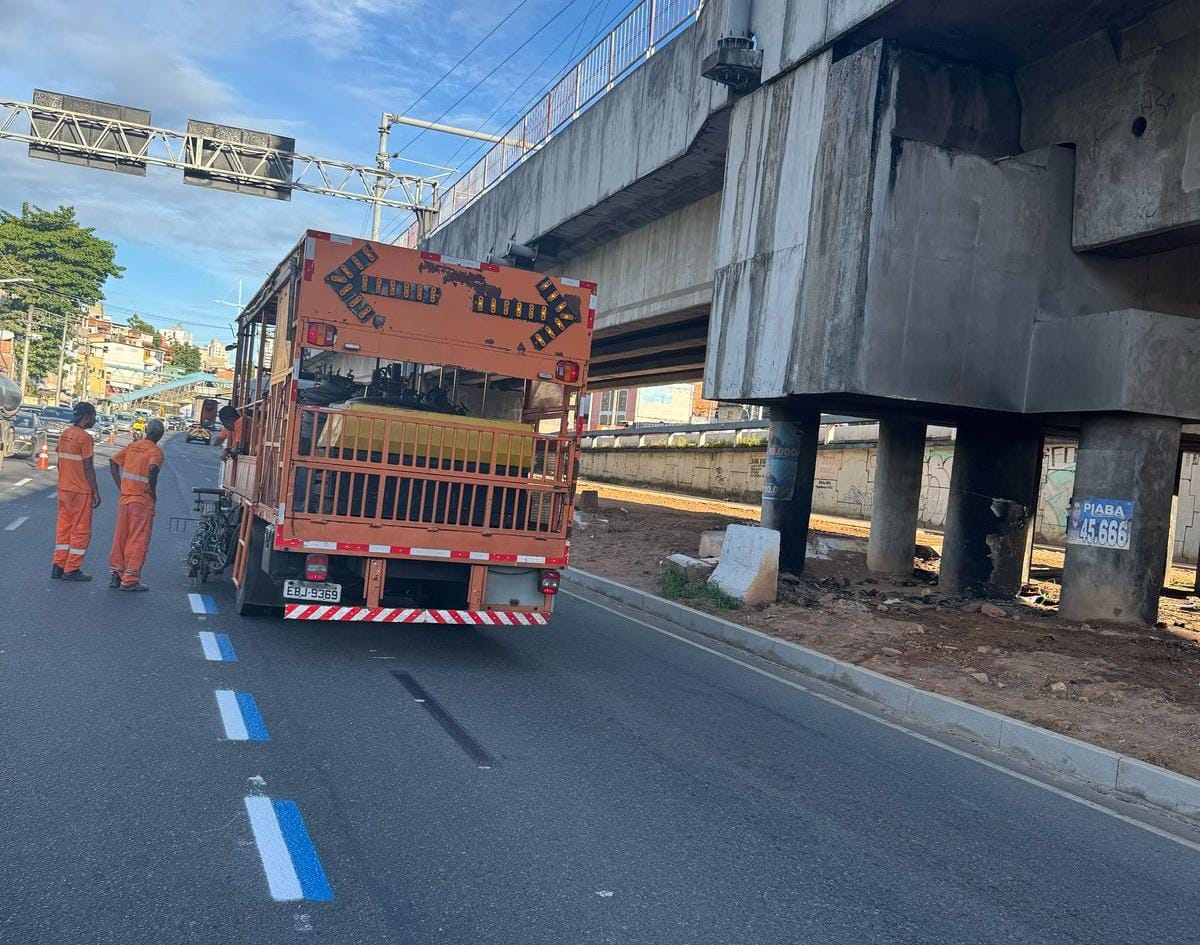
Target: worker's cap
83, 409
228, 411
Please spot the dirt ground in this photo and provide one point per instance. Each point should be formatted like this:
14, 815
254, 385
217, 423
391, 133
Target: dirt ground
1132, 690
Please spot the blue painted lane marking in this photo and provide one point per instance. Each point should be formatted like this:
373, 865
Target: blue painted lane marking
304, 856
240, 716
256, 729
288, 857
203, 604
217, 647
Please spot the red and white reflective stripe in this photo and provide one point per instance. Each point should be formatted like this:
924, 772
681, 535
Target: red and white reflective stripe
478, 618
489, 557
332, 237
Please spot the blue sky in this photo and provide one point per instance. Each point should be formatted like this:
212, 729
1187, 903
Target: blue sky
321, 71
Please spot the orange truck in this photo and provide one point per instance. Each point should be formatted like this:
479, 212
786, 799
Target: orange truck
406, 449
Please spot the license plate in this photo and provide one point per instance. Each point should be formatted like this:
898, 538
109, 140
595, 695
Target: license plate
312, 590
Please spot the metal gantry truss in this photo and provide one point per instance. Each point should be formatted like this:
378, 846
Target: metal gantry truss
130, 145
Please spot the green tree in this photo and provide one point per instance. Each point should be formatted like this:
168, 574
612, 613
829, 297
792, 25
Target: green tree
138, 323
186, 358
69, 265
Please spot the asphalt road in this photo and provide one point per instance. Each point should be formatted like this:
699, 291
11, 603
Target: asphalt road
594, 782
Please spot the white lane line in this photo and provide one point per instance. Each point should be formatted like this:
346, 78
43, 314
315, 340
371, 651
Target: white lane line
16, 523
21, 482
231, 715
273, 850
1133, 821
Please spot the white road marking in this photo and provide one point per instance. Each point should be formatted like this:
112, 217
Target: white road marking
21, 482
231, 715
16, 523
1132, 821
273, 850
209, 642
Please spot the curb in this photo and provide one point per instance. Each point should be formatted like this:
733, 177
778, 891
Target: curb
1059, 754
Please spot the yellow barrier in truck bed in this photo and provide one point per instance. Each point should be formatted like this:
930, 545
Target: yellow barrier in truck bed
417, 433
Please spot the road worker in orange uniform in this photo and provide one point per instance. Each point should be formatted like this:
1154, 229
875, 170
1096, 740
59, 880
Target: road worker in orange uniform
135, 471
78, 494
231, 434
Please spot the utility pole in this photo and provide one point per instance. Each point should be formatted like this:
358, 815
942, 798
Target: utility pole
383, 163
25, 354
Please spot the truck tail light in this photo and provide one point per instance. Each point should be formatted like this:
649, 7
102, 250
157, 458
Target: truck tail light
549, 582
316, 567
322, 335
567, 372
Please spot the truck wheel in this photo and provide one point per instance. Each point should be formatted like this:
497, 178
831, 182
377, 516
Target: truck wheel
256, 593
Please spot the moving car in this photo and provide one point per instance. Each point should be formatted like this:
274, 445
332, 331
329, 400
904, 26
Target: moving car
197, 434
124, 422
56, 419
27, 430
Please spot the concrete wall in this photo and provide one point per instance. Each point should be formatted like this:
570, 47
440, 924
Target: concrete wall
845, 482
1133, 192
654, 272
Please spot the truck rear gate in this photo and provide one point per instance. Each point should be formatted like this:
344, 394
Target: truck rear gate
440, 490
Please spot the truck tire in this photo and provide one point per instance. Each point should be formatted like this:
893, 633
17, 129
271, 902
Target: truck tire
256, 594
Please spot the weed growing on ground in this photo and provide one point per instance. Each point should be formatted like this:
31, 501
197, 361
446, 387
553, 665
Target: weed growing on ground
674, 586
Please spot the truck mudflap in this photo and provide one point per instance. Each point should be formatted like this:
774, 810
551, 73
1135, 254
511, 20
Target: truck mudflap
482, 618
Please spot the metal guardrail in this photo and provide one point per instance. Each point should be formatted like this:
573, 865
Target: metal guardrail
646, 28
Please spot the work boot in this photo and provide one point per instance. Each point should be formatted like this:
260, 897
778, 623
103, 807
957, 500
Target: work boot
56, 572
76, 575
114, 580
134, 587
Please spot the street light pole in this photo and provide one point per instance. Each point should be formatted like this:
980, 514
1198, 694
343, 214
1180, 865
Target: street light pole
25, 353
62, 356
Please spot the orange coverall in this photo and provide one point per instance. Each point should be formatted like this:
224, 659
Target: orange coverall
135, 511
74, 499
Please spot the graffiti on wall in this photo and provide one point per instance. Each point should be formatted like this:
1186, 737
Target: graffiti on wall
935, 488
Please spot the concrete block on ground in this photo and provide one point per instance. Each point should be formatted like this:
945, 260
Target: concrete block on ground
1061, 753
749, 568
694, 570
588, 501
1159, 786
711, 542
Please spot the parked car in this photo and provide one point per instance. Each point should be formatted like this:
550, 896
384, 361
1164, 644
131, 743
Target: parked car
197, 434
27, 430
56, 419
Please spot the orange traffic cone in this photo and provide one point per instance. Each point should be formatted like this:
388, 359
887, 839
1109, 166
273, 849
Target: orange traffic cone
112, 436
43, 460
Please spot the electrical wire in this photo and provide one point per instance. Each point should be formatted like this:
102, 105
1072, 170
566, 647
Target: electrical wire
402, 220
508, 16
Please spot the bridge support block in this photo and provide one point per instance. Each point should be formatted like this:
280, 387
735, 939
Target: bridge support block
788, 481
899, 470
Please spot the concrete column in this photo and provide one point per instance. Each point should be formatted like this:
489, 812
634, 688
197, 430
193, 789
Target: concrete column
1129, 459
788, 481
991, 507
899, 470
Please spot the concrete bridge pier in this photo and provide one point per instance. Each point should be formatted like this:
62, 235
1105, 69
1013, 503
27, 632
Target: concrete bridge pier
1123, 459
899, 470
788, 481
991, 508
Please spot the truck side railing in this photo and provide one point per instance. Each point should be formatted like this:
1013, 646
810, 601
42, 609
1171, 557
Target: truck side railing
442, 472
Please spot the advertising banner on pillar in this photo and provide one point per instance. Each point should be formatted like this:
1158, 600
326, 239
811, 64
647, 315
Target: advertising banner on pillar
1100, 523
783, 461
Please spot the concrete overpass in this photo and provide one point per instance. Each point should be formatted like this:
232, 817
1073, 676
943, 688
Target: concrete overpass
979, 214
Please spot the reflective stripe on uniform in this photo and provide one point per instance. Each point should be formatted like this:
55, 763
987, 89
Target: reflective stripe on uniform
62, 547
135, 477
70, 456
77, 551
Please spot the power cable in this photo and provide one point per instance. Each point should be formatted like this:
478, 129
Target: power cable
403, 219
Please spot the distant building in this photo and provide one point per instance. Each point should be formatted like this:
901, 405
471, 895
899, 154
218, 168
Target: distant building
674, 404
214, 357
176, 335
